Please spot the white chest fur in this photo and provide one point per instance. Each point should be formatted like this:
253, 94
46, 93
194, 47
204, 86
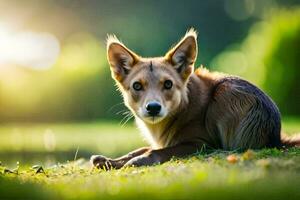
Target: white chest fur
156, 134
151, 135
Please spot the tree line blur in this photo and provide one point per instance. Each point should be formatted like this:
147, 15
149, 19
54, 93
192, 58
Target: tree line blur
55, 67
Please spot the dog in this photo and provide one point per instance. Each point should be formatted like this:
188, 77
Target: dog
181, 111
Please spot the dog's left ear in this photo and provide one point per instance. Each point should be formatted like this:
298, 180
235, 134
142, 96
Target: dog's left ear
184, 54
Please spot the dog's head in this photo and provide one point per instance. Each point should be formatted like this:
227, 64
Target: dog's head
153, 88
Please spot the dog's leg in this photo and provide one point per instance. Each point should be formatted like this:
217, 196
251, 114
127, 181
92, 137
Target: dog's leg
103, 162
162, 155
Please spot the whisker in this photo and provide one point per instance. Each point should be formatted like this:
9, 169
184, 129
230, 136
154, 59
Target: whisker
114, 106
121, 111
123, 119
126, 119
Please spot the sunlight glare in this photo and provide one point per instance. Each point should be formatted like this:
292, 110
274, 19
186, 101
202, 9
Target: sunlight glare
27, 48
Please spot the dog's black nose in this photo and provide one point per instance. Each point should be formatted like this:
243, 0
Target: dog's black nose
153, 108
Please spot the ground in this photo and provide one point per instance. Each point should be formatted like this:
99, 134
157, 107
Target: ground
264, 174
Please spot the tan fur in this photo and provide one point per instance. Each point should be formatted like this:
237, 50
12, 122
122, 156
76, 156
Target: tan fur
202, 109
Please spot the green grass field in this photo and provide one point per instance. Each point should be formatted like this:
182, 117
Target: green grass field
60, 173
50, 143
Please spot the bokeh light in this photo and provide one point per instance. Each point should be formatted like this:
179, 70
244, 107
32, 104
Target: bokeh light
27, 48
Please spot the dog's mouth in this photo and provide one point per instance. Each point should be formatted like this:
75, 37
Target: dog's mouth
153, 119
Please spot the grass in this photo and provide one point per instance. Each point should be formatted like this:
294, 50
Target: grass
264, 174
49, 143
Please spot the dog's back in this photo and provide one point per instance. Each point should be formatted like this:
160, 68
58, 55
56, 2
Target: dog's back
241, 116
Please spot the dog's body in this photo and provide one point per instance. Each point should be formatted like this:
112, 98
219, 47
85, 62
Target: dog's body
181, 112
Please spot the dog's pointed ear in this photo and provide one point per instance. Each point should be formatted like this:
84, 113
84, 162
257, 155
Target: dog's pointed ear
184, 54
120, 58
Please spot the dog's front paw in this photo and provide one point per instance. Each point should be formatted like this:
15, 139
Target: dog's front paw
101, 162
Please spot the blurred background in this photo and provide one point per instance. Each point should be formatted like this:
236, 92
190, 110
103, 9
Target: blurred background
56, 94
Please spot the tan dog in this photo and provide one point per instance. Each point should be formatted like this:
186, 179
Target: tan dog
181, 112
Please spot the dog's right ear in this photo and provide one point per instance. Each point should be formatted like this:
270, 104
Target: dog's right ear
120, 58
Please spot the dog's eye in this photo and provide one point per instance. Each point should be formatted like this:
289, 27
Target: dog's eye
137, 86
168, 84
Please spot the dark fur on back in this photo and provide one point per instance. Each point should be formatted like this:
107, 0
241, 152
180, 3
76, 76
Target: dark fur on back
256, 116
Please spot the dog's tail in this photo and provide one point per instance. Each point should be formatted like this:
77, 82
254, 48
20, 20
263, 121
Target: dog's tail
290, 141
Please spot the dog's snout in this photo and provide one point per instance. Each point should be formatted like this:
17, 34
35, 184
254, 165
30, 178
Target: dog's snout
153, 108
